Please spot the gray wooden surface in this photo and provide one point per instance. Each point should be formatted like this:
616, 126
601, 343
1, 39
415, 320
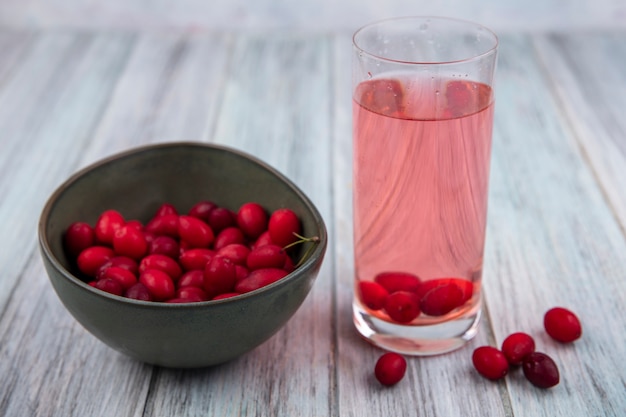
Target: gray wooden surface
556, 232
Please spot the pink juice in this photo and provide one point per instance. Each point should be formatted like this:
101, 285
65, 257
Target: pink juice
421, 170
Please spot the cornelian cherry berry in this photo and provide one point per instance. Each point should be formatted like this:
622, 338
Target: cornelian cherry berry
540, 370
252, 219
193, 278
159, 284
162, 263
220, 218
193, 294
195, 232
264, 239
106, 225
390, 368
138, 292
490, 362
124, 262
91, 259
402, 306
126, 278
109, 285
284, 226
202, 210
517, 346
220, 276
166, 209
562, 325
237, 252
398, 281
130, 241
441, 300
268, 256
372, 294
259, 278
228, 236
78, 236
164, 245
196, 258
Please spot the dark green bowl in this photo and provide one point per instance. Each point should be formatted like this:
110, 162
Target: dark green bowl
136, 182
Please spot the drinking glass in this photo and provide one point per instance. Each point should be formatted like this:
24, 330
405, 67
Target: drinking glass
423, 105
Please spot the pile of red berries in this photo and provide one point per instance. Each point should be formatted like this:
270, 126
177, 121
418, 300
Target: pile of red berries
403, 296
519, 349
209, 253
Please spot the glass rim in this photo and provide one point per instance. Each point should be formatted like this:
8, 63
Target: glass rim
488, 51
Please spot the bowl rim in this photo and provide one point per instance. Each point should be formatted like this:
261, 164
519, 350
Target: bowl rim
44, 218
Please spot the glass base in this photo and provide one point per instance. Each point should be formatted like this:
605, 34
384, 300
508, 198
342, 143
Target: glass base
422, 340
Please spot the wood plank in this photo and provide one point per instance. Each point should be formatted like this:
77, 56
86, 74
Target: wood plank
588, 72
154, 95
48, 107
435, 386
169, 92
275, 107
552, 240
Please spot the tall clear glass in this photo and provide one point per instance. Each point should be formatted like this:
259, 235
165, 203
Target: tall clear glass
423, 105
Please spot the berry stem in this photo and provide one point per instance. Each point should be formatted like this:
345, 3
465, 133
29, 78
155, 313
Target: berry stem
301, 240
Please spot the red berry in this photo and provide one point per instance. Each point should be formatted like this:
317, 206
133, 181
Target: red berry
398, 281
126, 278
252, 219
164, 225
228, 236
130, 241
540, 370
193, 278
109, 285
166, 209
236, 252
517, 346
162, 263
283, 226
390, 368
196, 258
124, 262
242, 272
490, 362
225, 295
138, 292
195, 232
264, 239
259, 278
78, 237
91, 259
402, 306
158, 283
220, 276
562, 325
466, 286
193, 294
372, 294
202, 210
267, 256
220, 218
106, 225
164, 245
441, 300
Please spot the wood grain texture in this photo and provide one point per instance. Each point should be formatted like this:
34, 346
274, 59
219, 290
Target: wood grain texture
552, 241
319, 15
555, 236
588, 74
